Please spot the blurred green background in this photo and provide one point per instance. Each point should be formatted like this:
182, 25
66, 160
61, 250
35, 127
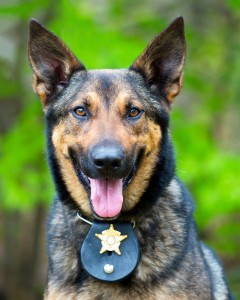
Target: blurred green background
205, 119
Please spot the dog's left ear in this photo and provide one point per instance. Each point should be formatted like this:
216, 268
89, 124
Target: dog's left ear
161, 63
52, 62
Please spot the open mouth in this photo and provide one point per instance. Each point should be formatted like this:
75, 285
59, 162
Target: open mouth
86, 180
106, 194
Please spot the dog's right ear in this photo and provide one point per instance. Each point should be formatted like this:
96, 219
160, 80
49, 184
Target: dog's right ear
51, 60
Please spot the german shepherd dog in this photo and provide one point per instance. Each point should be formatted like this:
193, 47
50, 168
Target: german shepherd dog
112, 160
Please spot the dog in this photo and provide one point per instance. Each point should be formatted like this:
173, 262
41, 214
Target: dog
112, 162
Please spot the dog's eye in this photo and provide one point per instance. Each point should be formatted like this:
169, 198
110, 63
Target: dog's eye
134, 112
80, 111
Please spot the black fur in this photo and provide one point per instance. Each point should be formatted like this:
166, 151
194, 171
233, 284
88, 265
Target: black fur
174, 264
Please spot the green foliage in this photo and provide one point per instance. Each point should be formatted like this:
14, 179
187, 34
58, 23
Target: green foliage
212, 177
24, 177
22, 9
205, 119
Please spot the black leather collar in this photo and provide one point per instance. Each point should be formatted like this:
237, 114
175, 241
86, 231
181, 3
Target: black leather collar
110, 251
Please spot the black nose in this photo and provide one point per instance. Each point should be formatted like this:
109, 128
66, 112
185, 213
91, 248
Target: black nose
107, 159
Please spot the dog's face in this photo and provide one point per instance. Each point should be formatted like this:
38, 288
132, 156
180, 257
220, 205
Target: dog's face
105, 125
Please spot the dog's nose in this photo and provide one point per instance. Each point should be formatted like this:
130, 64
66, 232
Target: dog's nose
107, 159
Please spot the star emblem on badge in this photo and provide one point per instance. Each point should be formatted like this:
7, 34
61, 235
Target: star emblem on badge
111, 240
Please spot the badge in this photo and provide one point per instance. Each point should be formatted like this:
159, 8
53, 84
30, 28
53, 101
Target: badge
110, 252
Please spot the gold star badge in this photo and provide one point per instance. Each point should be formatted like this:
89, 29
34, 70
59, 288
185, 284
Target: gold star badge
111, 240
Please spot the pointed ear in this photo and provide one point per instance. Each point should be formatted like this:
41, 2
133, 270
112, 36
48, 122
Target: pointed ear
161, 63
52, 62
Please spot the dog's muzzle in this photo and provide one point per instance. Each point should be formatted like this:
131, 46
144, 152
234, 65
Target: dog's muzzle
105, 170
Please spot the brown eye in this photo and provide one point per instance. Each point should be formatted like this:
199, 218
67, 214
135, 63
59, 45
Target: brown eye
80, 111
134, 112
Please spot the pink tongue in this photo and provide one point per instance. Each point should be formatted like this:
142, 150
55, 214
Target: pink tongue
107, 197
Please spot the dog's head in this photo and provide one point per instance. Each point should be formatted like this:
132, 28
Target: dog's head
105, 126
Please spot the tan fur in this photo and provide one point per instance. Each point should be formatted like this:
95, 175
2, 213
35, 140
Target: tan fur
135, 190
40, 89
174, 89
148, 134
173, 263
61, 141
